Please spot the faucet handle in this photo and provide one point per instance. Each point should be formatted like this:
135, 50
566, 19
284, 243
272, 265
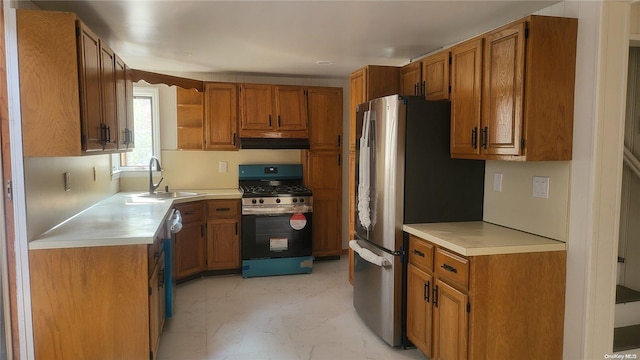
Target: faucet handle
158, 184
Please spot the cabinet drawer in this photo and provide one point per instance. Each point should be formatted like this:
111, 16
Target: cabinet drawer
223, 209
191, 212
453, 267
420, 253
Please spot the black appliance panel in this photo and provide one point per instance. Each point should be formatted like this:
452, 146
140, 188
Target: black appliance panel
259, 232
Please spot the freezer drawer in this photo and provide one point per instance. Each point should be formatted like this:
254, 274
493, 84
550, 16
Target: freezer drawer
377, 293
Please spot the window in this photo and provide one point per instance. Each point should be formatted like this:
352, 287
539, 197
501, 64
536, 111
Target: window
146, 130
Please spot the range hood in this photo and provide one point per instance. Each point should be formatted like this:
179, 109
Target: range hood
273, 143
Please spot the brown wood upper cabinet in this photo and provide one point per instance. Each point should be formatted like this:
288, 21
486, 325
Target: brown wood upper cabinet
73, 87
428, 77
512, 92
221, 116
325, 118
273, 111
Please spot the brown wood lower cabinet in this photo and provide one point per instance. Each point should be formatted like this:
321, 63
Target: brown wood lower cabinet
190, 242
223, 234
485, 307
97, 302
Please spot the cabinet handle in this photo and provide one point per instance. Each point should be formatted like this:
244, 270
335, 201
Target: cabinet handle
474, 137
435, 296
415, 88
279, 121
156, 255
485, 137
339, 140
418, 252
223, 209
339, 160
236, 228
192, 212
161, 278
103, 134
449, 268
424, 88
108, 131
269, 120
426, 291
234, 138
202, 230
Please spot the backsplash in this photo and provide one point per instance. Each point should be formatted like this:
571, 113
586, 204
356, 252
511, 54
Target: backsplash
517, 208
48, 204
200, 170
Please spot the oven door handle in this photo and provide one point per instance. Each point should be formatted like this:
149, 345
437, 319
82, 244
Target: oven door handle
368, 256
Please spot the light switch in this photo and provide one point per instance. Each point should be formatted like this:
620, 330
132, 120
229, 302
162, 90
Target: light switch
222, 167
541, 187
497, 182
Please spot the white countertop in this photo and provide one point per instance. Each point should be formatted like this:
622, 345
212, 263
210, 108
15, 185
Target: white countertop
481, 238
122, 219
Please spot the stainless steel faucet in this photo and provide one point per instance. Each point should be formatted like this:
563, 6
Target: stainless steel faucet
152, 186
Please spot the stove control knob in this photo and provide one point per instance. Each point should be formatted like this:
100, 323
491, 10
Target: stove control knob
254, 201
295, 200
278, 201
261, 201
301, 200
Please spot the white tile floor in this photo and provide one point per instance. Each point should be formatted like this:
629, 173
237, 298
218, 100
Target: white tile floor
307, 316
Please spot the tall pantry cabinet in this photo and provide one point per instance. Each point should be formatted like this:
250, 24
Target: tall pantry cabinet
366, 84
323, 168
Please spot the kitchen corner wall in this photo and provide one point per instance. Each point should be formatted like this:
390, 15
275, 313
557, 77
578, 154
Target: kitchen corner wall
515, 206
48, 204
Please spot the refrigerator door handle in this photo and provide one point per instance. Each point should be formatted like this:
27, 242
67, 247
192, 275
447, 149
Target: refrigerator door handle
368, 255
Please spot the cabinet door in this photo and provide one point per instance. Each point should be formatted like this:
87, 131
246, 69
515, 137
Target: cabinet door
109, 111
410, 79
419, 309
90, 89
223, 244
221, 117
450, 323
466, 86
154, 312
291, 108
190, 250
435, 76
124, 121
325, 118
256, 107
503, 91
325, 169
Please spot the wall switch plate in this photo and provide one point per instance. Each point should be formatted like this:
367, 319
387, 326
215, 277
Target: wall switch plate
67, 181
497, 182
541, 187
222, 166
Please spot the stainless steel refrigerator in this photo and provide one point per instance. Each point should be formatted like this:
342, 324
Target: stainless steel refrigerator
404, 175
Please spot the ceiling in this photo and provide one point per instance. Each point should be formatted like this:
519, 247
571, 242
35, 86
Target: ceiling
285, 37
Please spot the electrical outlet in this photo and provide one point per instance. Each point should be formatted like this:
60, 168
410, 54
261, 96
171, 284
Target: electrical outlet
541, 187
67, 181
497, 182
222, 167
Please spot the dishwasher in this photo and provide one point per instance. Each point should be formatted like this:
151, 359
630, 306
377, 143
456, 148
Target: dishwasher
173, 225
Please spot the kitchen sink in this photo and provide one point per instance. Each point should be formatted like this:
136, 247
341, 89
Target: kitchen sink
169, 195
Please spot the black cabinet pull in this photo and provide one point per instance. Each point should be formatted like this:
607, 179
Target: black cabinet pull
223, 209
418, 252
426, 291
474, 137
339, 160
279, 123
424, 88
192, 212
339, 140
202, 230
435, 296
108, 131
234, 138
161, 278
449, 268
269, 120
236, 228
485, 136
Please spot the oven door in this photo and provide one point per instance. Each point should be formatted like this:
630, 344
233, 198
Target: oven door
276, 235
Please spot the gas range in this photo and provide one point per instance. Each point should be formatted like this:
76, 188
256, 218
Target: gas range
274, 189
